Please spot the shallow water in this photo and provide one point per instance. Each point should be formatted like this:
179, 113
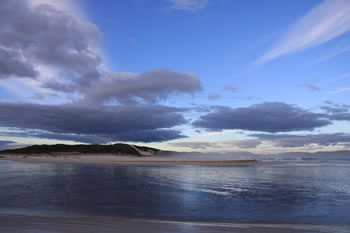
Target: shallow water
311, 192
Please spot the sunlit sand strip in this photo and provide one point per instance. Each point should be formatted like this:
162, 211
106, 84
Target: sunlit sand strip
115, 159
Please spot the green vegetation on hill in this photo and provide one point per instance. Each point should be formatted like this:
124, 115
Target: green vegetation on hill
118, 148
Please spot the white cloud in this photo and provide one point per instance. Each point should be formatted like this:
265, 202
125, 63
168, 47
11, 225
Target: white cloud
190, 5
333, 54
339, 77
339, 90
325, 22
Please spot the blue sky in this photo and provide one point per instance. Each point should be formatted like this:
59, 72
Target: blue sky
263, 76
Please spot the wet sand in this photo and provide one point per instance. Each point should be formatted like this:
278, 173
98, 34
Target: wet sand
41, 224
119, 159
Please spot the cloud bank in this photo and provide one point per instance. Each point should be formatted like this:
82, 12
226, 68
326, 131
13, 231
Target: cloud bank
303, 140
265, 117
142, 123
152, 86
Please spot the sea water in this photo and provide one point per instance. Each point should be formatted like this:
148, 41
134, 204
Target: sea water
309, 191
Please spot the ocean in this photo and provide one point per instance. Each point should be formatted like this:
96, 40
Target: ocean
285, 191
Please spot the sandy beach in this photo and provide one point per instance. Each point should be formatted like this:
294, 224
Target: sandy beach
122, 159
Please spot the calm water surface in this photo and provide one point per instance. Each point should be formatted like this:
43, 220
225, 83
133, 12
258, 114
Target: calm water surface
316, 192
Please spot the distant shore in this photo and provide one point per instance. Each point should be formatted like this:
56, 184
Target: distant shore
121, 159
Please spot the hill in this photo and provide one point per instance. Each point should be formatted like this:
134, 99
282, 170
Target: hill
118, 148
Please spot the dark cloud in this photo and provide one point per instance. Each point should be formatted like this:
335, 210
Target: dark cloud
340, 117
12, 64
287, 140
335, 108
265, 117
47, 36
150, 86
5, 142
214, 96
339, 112
139, 123
4, 145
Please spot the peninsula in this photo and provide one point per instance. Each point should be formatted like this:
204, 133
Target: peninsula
118, 153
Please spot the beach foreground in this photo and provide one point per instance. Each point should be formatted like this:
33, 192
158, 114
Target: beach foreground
122, 159
24, 224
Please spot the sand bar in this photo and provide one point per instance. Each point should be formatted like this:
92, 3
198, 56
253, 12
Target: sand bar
119, 159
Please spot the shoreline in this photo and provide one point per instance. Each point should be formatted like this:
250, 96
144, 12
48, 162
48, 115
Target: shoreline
107, 159
36, 223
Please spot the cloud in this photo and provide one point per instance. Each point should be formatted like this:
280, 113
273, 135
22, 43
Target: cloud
303, 140
265, 117
53, 51
138, 123
339, 90
150, 86
231, 89
325, 22
42, 35
334, 108
13, 64
194, 145
5, 145
189, 5
242, 144
333, 54
312, 87
214, 96
339, 77
2, 143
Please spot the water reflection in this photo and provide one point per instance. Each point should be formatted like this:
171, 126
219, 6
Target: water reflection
285, 192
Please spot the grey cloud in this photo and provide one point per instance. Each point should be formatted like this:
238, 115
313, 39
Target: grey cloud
335, 108
194, 145
312, 87
339, 112
150, 87
340, 117
48, 36
155, 135
265, 117
243, 144
244, 98
231, 89
11, 64
214, 96
143, 123
4, 145
200, 107
287, 140
5, 142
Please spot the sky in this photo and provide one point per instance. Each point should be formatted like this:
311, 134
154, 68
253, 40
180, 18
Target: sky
187, 75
